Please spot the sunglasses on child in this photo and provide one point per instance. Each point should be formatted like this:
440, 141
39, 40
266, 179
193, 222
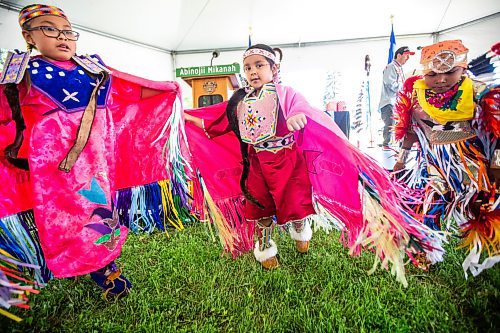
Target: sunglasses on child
55, 33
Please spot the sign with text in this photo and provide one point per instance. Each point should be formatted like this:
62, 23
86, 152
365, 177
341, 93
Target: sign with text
207, 70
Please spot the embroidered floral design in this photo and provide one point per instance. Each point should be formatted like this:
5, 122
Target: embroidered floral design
108, 227
258, 115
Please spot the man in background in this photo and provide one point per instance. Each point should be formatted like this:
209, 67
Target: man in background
393, 81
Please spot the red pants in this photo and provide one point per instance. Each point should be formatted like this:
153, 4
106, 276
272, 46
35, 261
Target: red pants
279, 181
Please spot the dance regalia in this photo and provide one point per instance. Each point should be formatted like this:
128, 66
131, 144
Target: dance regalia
77, 210
277, 174
457, 136
349, 189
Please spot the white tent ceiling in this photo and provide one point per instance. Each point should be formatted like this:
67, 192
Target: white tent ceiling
190, 25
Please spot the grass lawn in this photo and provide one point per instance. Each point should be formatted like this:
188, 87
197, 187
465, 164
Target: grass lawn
183, 284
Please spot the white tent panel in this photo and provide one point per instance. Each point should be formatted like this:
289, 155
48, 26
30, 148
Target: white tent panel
477, 37
203, 24
108, 27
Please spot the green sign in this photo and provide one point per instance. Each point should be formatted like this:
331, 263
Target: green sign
207, 70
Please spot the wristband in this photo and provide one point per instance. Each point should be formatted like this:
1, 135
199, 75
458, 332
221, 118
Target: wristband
495, 159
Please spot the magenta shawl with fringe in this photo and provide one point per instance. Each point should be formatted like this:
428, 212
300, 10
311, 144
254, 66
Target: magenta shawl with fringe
73, 211
342, 178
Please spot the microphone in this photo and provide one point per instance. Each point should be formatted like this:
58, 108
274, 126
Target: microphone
215, 54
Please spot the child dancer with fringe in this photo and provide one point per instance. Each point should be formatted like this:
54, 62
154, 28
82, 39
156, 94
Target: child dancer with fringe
70, 139
292, 153
454, 119
274, 178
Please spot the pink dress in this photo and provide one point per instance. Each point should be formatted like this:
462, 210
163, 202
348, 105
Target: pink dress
75, 211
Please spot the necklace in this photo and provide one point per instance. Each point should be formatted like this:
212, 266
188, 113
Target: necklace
447, 100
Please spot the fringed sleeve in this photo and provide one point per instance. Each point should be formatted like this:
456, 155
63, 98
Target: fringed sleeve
490, 104
218, 126
217, 193
402, 112
15, 284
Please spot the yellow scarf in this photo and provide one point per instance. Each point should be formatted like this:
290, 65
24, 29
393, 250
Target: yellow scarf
464, 109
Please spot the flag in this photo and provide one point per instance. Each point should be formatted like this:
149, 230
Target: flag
392, 41
249, 36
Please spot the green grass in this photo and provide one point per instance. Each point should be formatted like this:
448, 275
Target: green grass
183, 284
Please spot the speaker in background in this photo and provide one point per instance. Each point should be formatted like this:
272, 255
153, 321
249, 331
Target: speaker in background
337, 110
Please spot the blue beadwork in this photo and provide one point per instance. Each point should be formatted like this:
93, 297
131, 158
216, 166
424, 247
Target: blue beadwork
69, 89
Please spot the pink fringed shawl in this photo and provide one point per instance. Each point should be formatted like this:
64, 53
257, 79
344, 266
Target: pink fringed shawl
73, 211
219, 162
339, 174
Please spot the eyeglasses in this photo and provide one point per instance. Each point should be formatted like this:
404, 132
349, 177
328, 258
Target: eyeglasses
55, 33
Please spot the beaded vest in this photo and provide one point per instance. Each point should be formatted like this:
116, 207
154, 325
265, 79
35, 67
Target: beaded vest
258, 115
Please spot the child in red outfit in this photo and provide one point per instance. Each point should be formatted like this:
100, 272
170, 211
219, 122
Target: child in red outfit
274, 179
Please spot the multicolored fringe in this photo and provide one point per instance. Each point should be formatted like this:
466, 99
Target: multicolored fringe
19, 237
234, 232
382, 229
14, 284
486, 67
489, 101
176, 154
402, 110
152, 206
482, 232
324, 219
450, 179
390, 238
390, 232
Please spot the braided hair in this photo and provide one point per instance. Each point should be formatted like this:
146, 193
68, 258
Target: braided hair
231, 114
11, 92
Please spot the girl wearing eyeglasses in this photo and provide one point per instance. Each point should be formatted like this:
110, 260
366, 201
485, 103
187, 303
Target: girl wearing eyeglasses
66, 122
52, 36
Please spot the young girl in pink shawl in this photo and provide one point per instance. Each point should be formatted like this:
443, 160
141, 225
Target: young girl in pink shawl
73, 133
296, 163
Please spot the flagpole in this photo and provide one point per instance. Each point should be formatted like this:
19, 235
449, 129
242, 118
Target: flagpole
249, 35
392, 42
367, 69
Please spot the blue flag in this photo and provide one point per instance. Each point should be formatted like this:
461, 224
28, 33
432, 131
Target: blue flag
392, 41
249, 40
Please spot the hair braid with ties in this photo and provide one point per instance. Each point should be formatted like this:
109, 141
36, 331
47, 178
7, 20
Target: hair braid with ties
11, 92
233, 122
279, 54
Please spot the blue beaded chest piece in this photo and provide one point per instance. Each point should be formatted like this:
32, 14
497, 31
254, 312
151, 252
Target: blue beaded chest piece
70, 89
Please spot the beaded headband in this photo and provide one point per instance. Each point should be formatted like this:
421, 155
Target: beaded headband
443, 56
30, 12
261, 52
